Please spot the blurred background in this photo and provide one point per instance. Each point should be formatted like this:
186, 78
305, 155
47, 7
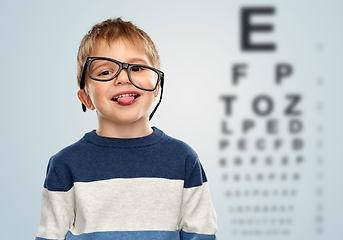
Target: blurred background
253, 86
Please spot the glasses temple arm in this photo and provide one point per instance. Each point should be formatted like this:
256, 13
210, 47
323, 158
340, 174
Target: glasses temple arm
153, 112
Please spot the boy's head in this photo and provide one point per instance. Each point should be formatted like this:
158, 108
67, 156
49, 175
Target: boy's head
118, 65
112, 30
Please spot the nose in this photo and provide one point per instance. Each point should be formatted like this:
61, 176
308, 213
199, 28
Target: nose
122, 78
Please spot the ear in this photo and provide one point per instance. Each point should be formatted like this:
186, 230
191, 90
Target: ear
85, 99
157, 90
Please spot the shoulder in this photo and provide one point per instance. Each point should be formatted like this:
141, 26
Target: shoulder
61, 165
77, 149
194, 172
177, 146
70, 152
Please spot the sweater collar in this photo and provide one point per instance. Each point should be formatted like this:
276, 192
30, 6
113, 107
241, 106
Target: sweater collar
150, 139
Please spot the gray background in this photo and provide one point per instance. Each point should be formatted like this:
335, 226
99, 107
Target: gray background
198, 42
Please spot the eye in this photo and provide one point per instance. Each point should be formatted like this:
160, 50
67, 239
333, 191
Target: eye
105, 73
136, 69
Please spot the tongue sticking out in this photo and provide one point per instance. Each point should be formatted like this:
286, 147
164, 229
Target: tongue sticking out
127, 100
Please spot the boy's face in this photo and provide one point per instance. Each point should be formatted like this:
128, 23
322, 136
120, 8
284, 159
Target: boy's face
99, 95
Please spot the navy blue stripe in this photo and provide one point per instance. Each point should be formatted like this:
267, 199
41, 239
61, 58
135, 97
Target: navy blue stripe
93, 159
127, 235
196, 236
134, 235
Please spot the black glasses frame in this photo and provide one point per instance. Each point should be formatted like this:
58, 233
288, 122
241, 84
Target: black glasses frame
122, 66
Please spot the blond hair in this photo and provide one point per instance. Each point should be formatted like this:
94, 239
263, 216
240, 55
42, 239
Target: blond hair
111, 30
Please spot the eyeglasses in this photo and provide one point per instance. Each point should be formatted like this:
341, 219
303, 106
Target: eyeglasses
106, 69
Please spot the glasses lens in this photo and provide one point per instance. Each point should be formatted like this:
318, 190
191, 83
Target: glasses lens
103, 69
143, 77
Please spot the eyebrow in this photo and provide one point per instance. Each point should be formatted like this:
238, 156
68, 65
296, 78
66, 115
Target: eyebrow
138, 60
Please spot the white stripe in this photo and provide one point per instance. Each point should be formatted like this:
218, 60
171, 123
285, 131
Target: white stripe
127, 205
138, 204
198, 215
57, 214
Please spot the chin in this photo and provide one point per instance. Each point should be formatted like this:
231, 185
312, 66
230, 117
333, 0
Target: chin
132, 119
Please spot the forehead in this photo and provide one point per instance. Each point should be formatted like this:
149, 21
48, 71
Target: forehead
119, 49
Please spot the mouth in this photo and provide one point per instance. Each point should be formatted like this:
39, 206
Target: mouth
125, 95
125, 99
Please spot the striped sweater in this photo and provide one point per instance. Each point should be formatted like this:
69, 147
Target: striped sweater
153, 187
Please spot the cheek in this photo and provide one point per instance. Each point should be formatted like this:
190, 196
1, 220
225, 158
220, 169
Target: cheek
151, 98
95, 96
97, 91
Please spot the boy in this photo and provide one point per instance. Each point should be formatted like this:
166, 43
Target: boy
124, 180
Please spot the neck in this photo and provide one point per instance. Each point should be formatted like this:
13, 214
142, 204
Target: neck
123, 130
